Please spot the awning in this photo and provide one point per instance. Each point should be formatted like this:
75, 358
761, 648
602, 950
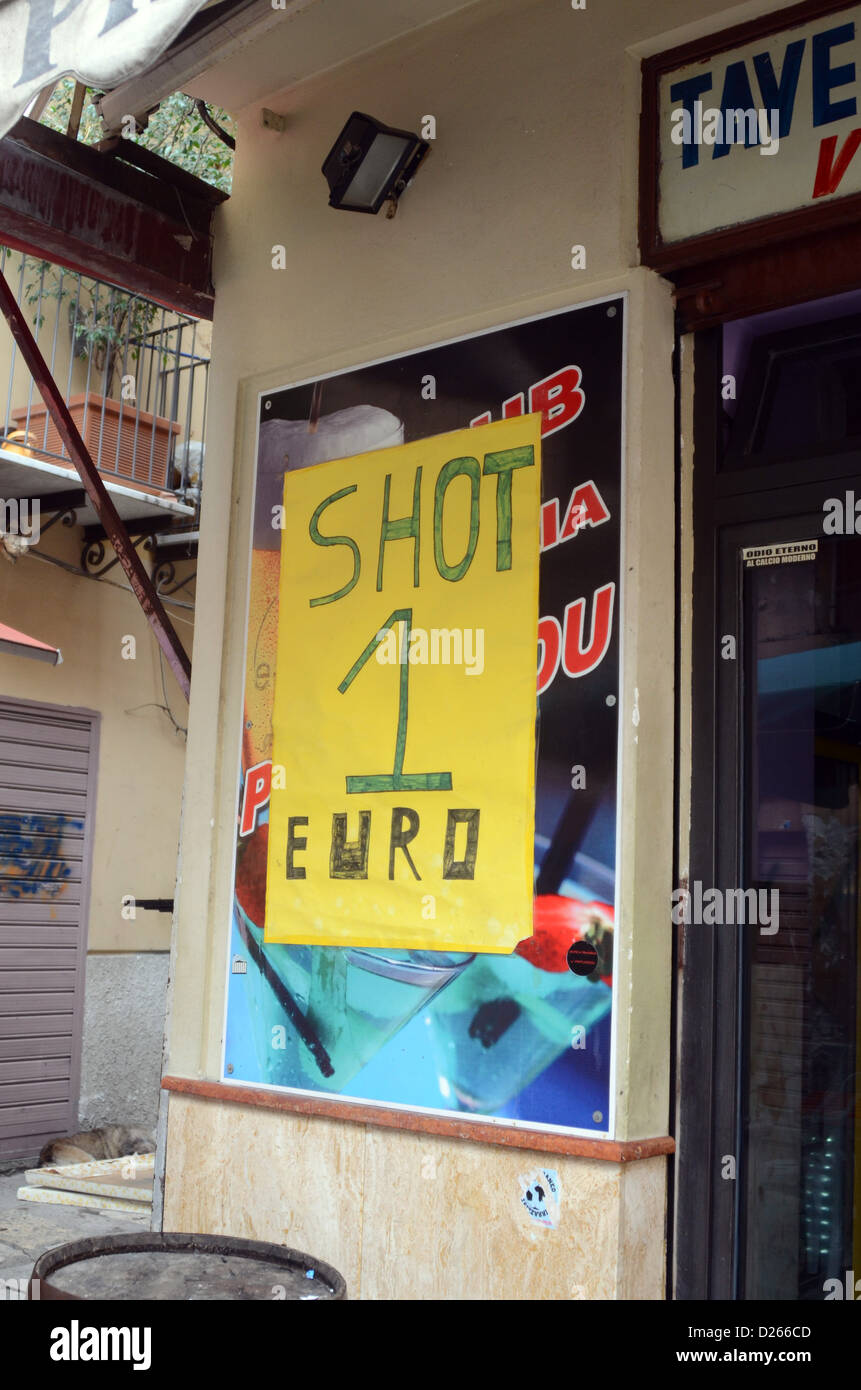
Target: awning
14, 643
100, 42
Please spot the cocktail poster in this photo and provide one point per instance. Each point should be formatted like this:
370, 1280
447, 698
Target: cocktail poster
523, 1036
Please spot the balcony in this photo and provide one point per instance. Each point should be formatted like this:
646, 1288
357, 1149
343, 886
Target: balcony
134, 376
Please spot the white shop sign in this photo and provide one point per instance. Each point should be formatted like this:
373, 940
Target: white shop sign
770, 126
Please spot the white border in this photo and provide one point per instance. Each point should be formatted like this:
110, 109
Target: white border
500, 1121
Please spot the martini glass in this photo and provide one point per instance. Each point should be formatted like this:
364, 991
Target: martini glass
319, 1013
507, 1018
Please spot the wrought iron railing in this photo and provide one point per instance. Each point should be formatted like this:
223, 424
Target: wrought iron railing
133, 374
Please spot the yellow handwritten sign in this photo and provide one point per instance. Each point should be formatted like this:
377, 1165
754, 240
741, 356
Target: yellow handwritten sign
402, 804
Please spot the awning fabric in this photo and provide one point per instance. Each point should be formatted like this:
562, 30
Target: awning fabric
100, 42
14, 643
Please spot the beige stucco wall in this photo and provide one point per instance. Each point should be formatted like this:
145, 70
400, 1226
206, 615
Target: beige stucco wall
537, 120
141, 757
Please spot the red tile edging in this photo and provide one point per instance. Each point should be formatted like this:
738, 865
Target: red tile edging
508, 1136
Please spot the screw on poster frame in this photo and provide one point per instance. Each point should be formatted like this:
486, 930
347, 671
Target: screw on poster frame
524, 1037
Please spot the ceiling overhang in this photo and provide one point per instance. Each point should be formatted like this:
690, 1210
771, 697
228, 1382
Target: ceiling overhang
241, 51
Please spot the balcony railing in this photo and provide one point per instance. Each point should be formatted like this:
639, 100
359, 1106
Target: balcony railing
134, 376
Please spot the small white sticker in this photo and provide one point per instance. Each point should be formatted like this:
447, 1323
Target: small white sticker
755, 556
540, 1195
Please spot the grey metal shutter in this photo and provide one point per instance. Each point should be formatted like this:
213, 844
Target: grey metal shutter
48, 761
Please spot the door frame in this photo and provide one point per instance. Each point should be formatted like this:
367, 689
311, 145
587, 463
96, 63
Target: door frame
8, 704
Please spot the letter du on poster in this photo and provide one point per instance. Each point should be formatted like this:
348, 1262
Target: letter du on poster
405, 700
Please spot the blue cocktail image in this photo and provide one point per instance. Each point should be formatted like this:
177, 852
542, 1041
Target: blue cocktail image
506, 1018
320, 1013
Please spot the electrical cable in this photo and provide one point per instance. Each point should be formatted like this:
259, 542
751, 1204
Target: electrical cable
180, 729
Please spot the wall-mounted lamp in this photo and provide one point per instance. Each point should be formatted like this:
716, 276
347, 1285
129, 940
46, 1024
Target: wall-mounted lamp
371, 163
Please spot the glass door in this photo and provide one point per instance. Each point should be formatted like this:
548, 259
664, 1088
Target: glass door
799, 1147
767, 1180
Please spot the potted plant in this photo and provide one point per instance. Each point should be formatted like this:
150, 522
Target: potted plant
107, 329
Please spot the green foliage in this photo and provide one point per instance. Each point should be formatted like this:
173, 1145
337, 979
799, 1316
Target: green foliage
106, 325
57, 112
175, 131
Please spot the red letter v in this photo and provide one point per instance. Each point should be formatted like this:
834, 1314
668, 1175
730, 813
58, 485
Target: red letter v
828, 171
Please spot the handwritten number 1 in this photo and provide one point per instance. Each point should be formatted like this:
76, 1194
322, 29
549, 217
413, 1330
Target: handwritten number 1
398, 780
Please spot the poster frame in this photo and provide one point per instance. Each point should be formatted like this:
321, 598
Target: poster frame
457, 1124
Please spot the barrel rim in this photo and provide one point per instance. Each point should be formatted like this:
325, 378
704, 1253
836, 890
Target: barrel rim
186, 1242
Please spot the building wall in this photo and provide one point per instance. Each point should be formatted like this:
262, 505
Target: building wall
137, 803
126, 995
537, 118
402, 1215
141, 755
